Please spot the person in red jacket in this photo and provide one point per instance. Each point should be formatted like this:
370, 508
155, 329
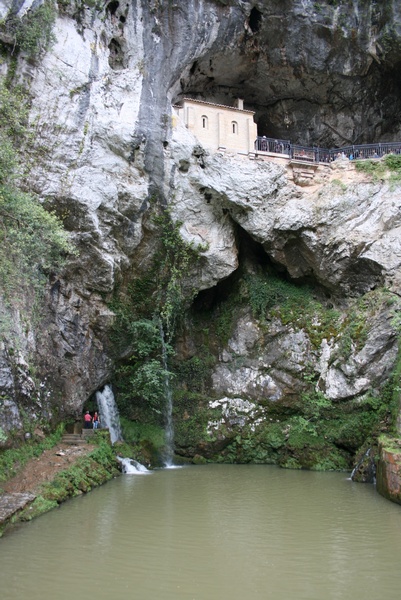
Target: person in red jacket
88, 420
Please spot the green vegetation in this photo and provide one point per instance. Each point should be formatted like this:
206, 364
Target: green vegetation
390, 444
134, 433
147, 317
146, 441
194, 372
191, 417
33, 242
270, 296
354, 328
33, 33
88, 472
145, 370
12, 460
314, 434
339, 184
380, 169
3, 436
13, 129
305, 430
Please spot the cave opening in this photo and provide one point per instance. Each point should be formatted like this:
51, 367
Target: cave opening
253, 261
304, 97
112, 7
255, 19
116, 56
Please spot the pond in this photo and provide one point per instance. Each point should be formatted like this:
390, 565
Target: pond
218, 532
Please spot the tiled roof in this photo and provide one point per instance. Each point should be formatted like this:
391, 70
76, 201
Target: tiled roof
251, 112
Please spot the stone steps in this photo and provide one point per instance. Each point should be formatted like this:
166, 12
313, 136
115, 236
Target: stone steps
78, 439
88, 432
73, 439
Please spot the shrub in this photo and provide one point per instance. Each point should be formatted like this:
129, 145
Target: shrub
33, 33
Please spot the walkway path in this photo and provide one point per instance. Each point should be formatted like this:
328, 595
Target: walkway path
25, 486
316, 154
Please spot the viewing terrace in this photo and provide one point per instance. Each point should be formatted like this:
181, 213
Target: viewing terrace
285, 149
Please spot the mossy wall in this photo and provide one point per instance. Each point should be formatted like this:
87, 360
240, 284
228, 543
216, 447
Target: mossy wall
304, 428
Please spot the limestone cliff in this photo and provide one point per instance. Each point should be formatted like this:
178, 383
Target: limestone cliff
105, 151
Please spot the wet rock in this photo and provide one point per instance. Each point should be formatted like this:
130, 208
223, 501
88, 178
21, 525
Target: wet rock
13, 503
365, 469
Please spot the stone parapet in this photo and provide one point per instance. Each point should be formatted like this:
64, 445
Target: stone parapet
388, 476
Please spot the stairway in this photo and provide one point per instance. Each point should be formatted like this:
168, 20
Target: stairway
77, 439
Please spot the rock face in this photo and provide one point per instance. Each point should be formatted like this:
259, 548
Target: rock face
345, 240
106, 150
309, 69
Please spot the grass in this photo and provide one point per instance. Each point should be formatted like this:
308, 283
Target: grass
390, 444
12, 460
89, 471
380, 169
270, 295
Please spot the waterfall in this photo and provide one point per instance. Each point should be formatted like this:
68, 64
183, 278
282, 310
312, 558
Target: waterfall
368, 473
168, 407
132, 467
108, 413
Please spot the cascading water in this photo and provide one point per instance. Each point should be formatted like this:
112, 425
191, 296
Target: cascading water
365, 469
168, 407
132, 467
108, 413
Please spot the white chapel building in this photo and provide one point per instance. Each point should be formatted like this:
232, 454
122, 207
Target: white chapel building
220, 127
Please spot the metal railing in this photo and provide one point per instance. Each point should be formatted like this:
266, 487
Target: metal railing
264, 144
325, 155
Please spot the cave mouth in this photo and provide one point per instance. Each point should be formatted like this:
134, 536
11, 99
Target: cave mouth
112, 7
255, 19
253, 261
116, 55
307, 97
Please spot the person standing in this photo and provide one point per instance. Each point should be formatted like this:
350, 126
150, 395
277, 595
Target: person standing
88, 420
95, 421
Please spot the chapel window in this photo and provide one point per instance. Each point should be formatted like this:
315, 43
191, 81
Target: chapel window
234, 127
204, 122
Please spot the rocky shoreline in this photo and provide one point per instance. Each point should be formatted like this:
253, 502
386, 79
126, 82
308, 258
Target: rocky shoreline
46, 481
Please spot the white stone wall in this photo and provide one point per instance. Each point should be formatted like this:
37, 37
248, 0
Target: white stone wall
217, 126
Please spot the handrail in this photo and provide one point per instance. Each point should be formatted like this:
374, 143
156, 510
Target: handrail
325, 155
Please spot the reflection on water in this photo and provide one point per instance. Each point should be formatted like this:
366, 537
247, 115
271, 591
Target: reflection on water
221, 532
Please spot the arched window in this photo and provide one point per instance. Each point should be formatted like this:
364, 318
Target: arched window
234, 127
204, 122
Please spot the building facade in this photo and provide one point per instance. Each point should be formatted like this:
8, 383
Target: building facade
220, 127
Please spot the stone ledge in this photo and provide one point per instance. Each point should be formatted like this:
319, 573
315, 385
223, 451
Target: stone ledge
13, 503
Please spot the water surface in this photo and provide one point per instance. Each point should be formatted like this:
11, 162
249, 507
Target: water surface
219, 532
